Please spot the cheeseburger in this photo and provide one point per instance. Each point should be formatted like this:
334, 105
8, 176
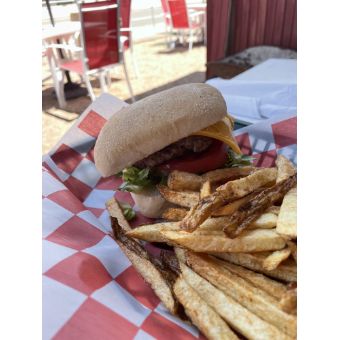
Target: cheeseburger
185, 128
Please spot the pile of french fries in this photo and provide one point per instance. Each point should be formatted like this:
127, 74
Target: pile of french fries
234, 234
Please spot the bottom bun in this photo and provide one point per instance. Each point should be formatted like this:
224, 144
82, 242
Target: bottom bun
150, 203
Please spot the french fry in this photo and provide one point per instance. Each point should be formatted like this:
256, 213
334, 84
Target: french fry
251, 210
285, 168
201, 314
231, 207
215, 223
152, 232
265, 221
253, 241
286, 222
174, 214
230, 191
185, 199
272, 287
227, 174
246, 185
200, 212
284, 272
145, 267
288, 302
115, 211
254, 299
180, 180
275, 258
205, 189
293, 249
274, 210
239, 317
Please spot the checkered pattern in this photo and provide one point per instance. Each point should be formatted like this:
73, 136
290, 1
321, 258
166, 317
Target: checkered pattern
90, 289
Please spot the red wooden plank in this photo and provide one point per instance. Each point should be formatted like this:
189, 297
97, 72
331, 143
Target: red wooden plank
288, 23
270, 20
278, 23
261, 22
293, 39
253, 21
244, 24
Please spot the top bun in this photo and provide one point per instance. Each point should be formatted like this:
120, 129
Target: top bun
149, 125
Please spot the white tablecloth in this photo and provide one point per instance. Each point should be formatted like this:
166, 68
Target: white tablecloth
264, 91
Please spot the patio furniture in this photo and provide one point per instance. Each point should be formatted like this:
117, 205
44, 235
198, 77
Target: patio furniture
126, 32
167, 20
185, 21
100, 48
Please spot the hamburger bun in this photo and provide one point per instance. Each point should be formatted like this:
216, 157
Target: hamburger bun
153, 123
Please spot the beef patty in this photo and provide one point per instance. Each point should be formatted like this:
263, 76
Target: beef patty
184, 146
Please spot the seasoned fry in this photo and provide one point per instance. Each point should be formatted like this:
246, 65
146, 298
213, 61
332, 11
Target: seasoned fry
205, 189
285, 168
254, 299
185, 199
152, 232
201, 314
145, 266
288, 303
275, 258
246, 185
115, 211
200, 212
292, 246
239, 317
227, 174
174, 214
265, 221
274, 210
286, 223
231, 207
215, 223
285, 271
180, 180
252, 241
272, 287
251, 210
230, 191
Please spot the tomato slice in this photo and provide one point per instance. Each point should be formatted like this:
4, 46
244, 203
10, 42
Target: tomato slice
213, 158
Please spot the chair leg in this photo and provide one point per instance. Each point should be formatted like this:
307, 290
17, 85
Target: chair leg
103, 85
190, 39
89, 87
128, 81
58, 79
134, 64
108, 78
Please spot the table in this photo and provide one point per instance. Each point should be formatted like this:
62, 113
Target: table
262, 92
86, 277
60, 31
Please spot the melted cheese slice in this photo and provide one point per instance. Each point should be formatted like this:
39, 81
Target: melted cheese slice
222, 131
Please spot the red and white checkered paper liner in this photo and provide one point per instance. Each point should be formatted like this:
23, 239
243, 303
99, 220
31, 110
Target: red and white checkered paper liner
90, 289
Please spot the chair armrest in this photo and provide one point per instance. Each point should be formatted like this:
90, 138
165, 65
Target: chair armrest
126, 29
66, 47
196, 13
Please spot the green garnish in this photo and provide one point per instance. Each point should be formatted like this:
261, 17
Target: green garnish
237, 160
137, 180
128, 212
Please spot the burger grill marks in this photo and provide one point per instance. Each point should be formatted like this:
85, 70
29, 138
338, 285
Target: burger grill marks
180, 148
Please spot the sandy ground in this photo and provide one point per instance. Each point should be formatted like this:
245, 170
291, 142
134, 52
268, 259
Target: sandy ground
159, 68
